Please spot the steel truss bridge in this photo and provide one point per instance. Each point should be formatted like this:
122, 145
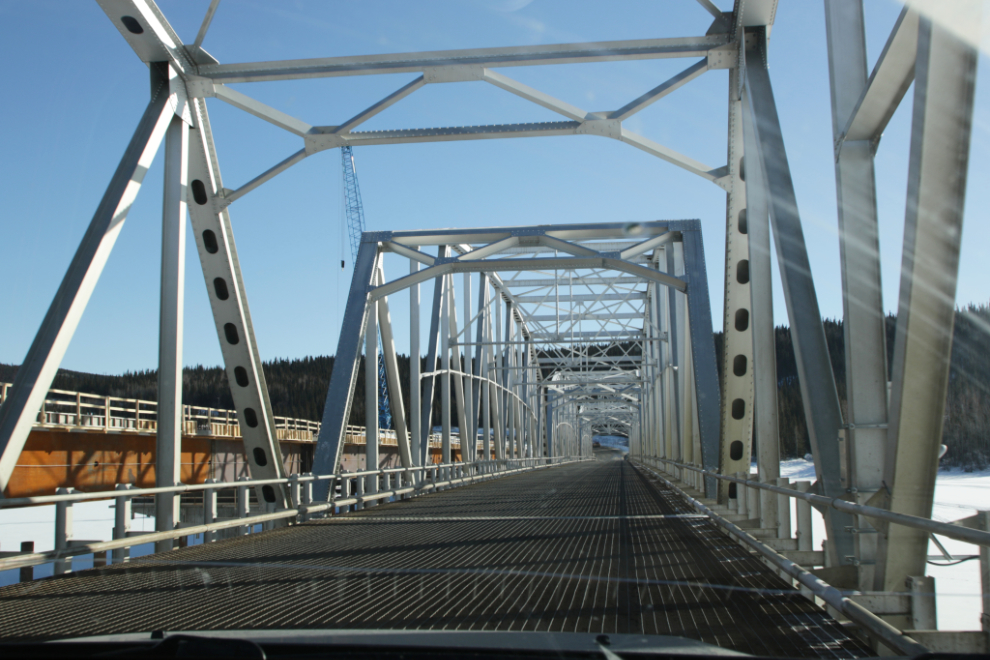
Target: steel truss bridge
539, 339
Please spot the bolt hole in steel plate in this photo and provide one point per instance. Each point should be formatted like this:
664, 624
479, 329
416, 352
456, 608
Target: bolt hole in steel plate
210, 242
132, 25
220, 287
199, 192
736, 450
230, 331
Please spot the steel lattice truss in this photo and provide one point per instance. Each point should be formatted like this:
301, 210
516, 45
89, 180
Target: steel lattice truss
583, 329
572, 330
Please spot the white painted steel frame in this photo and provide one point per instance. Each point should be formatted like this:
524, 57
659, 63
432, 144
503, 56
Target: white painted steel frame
536, 355
594, 382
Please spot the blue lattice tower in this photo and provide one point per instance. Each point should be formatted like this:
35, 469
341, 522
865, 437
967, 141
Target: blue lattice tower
355, 227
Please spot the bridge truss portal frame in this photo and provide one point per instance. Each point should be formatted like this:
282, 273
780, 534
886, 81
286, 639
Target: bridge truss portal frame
884, 455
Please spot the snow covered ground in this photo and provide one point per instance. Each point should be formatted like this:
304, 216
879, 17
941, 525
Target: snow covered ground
958, 495
91, 521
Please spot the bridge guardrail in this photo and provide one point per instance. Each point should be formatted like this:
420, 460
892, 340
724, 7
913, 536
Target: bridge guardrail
371, 486
79, 410
950, 530
854, 604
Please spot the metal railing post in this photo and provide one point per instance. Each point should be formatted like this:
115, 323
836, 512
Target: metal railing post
783, 510
306, 495
345, 492
243, 505
63, 530
209, 510
742, 507
804, 518
984, 525
294, 492
122, 522
752, 500
267, 507
27, 572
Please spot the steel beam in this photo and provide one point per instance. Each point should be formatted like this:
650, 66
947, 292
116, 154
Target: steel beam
671, 317
38, 369
468, 384
475, 59
168, 441
736, 446
337, 409
228, 301
415, 385
433, 348
706, 391
818, 393
759, 317
892, 75
661, 90
455, 354
859, 249
941, 127
396, 402
371, 439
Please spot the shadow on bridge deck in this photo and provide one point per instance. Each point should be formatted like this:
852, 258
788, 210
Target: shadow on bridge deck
590, 547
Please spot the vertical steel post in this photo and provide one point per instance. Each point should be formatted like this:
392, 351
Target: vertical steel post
63, 530
209, 510
168, 444
445, 372
27, 572
429, 387
397, 404
760, 319
859, 251
944, 87
217, 250
371, 400
736, 412
706, 392
469, 450
35, 375
340, 393
415, 386
122, 522
818, 393
458, 378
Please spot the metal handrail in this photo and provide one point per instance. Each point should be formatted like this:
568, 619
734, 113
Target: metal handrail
875, 626
17, 502
944, 529
302, 509
95, 411
83, 410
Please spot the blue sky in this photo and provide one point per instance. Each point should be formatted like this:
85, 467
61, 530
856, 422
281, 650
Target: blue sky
75, 90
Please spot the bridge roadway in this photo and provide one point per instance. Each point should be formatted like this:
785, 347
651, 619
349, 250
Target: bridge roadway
591, 547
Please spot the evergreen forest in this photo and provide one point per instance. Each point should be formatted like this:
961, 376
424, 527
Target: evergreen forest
298, 387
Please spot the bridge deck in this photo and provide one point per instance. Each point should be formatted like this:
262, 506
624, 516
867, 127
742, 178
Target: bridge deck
591, 547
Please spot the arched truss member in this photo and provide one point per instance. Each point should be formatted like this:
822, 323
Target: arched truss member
582, 349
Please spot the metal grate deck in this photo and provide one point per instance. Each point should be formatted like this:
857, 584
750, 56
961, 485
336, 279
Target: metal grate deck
591, 547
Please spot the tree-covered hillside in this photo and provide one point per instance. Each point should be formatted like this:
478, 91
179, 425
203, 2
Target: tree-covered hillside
298, 387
